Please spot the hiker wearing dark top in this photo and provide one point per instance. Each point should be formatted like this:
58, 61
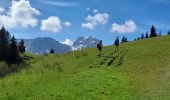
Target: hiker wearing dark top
116, 44
99, 47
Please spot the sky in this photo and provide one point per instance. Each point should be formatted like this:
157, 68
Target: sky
66, 20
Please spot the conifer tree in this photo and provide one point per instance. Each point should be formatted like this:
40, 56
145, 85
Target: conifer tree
142, 36
13, 56
146, 36
168, 32
124, 39
135, 39
153, 32
21, 46
4, 42
52, 51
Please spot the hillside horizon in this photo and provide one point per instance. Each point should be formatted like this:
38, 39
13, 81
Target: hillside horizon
84, 50
68, 20
139, 70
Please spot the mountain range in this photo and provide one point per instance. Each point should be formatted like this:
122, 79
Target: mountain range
43, 45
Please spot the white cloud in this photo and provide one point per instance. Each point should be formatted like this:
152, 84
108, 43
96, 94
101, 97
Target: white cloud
20, 14
61, 4
128, 27
95, 10
88, 25
52, 24
67, 24
68, 42
93, 21
1, 10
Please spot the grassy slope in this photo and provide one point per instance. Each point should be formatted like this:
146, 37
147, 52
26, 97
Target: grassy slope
140, 70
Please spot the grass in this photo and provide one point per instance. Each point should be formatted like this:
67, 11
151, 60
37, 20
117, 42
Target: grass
139, 71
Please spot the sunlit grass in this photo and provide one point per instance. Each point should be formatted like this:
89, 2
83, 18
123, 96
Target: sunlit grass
139, 71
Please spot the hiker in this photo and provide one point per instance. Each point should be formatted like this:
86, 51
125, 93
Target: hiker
116, 44
99, 47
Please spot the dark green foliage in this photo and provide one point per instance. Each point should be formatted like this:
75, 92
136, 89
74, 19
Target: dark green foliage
8, 53
6, 69
77, 55
21, 46
142, 36
84, 53
168, 32
135, 39
4, 39
60, 69
8, 50
13, 56
124, 39
52, 51
153, 32
146, 36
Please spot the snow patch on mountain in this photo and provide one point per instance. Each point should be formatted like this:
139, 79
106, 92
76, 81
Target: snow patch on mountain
43, 45
85, 42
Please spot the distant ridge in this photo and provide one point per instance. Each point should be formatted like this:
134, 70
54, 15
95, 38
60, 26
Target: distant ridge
41, 45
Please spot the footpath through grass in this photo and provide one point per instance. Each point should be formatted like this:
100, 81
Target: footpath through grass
139, 71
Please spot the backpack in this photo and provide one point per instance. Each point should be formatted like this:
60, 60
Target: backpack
117, 42
99, 46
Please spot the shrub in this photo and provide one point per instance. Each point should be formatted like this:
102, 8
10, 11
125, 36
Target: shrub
84, 53
3, 66
77, 56
60, 69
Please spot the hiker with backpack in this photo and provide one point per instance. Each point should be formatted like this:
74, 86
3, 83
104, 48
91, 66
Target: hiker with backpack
99, 47
116, 44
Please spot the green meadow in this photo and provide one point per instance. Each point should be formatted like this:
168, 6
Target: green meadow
140, 70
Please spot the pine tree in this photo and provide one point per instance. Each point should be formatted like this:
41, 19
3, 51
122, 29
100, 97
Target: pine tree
168, 32
135, 39
124, 39
13, 56
21, 46
147, 36
52, 51
142, 36
153, 32
4, 42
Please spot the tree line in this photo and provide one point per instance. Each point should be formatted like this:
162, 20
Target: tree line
153, 33
10, 50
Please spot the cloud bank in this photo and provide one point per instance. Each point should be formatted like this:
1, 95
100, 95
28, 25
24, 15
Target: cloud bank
68, 42
52, 24
20, 14
67, 24
128, 27
97, 19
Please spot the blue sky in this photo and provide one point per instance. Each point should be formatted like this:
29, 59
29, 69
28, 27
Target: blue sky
70, 19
